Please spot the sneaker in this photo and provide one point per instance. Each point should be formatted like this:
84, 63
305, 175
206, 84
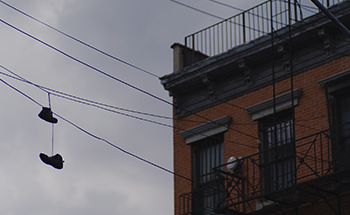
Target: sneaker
46, 114
55, 161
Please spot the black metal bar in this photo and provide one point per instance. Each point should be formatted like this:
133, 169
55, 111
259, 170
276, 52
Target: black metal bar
332, 18
192, 49
321, 146
295, 11
339, 205
243, 27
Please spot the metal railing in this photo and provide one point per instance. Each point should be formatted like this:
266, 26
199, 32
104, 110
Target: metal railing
250, 25
247, 185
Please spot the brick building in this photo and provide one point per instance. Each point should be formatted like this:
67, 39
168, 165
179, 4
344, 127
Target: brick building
261, 119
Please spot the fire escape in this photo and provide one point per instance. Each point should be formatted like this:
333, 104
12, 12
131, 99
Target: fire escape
245, 192
316, 174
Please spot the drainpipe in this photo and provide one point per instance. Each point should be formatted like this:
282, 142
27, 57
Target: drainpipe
332, 18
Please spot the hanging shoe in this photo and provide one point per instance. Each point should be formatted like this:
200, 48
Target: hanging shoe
46, 114
55, 161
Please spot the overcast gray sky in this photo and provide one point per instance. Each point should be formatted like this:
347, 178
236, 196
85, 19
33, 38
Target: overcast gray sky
97, 178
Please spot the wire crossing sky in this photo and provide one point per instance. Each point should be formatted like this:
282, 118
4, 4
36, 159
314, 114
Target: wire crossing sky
117, 79
97, 137
95, 179
77, 40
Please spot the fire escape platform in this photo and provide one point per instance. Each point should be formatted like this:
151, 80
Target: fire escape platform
307, 192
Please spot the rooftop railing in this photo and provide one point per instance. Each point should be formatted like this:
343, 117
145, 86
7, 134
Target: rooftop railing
251, 24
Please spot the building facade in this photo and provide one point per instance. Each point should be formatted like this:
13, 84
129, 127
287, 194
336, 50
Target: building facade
262, 114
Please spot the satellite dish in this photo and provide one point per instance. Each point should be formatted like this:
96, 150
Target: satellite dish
232, 163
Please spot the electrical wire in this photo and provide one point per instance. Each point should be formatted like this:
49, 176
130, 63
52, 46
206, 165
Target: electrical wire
45, 89
102, 71
98, 105
117, 79
79, 41
113, 145
218, 17
62, 94
108, 142
296, 3
247, 11
57, 30
97, 137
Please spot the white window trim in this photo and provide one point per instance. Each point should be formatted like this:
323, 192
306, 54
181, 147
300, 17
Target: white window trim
205, 130
283, 102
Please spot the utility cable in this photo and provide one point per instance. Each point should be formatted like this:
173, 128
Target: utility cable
92, 46
113, 111
117, 79
106, 141
218, 17
79, 41
97, 137
102, 71
247, 11
59, 93
98, 104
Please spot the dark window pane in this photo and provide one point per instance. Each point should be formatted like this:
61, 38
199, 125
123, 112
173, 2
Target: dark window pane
207, 154
279, 154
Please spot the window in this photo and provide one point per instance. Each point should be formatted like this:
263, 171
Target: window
338, 87
207, 146
341, 146
278, 157
207, 189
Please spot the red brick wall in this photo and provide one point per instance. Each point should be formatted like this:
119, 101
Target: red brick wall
310, 115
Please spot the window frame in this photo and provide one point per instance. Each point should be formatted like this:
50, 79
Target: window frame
285, 154
206, 187
339, 148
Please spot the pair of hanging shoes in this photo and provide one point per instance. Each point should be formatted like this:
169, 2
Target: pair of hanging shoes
56, 161
46, 114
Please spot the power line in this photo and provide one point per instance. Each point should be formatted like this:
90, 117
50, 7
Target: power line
79, 41
218, 17
98, 105
97, 137
117, 79
196, 9
103, 51
59, 93
104, 72
93, 104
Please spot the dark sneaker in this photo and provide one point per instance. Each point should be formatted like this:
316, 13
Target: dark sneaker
55, 161
46, 159
46, 114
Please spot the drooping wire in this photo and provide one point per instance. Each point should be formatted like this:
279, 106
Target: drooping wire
99, 138
105, 52
98, 104
79, 41
113, 111
119, 80
218, 17
110, 75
